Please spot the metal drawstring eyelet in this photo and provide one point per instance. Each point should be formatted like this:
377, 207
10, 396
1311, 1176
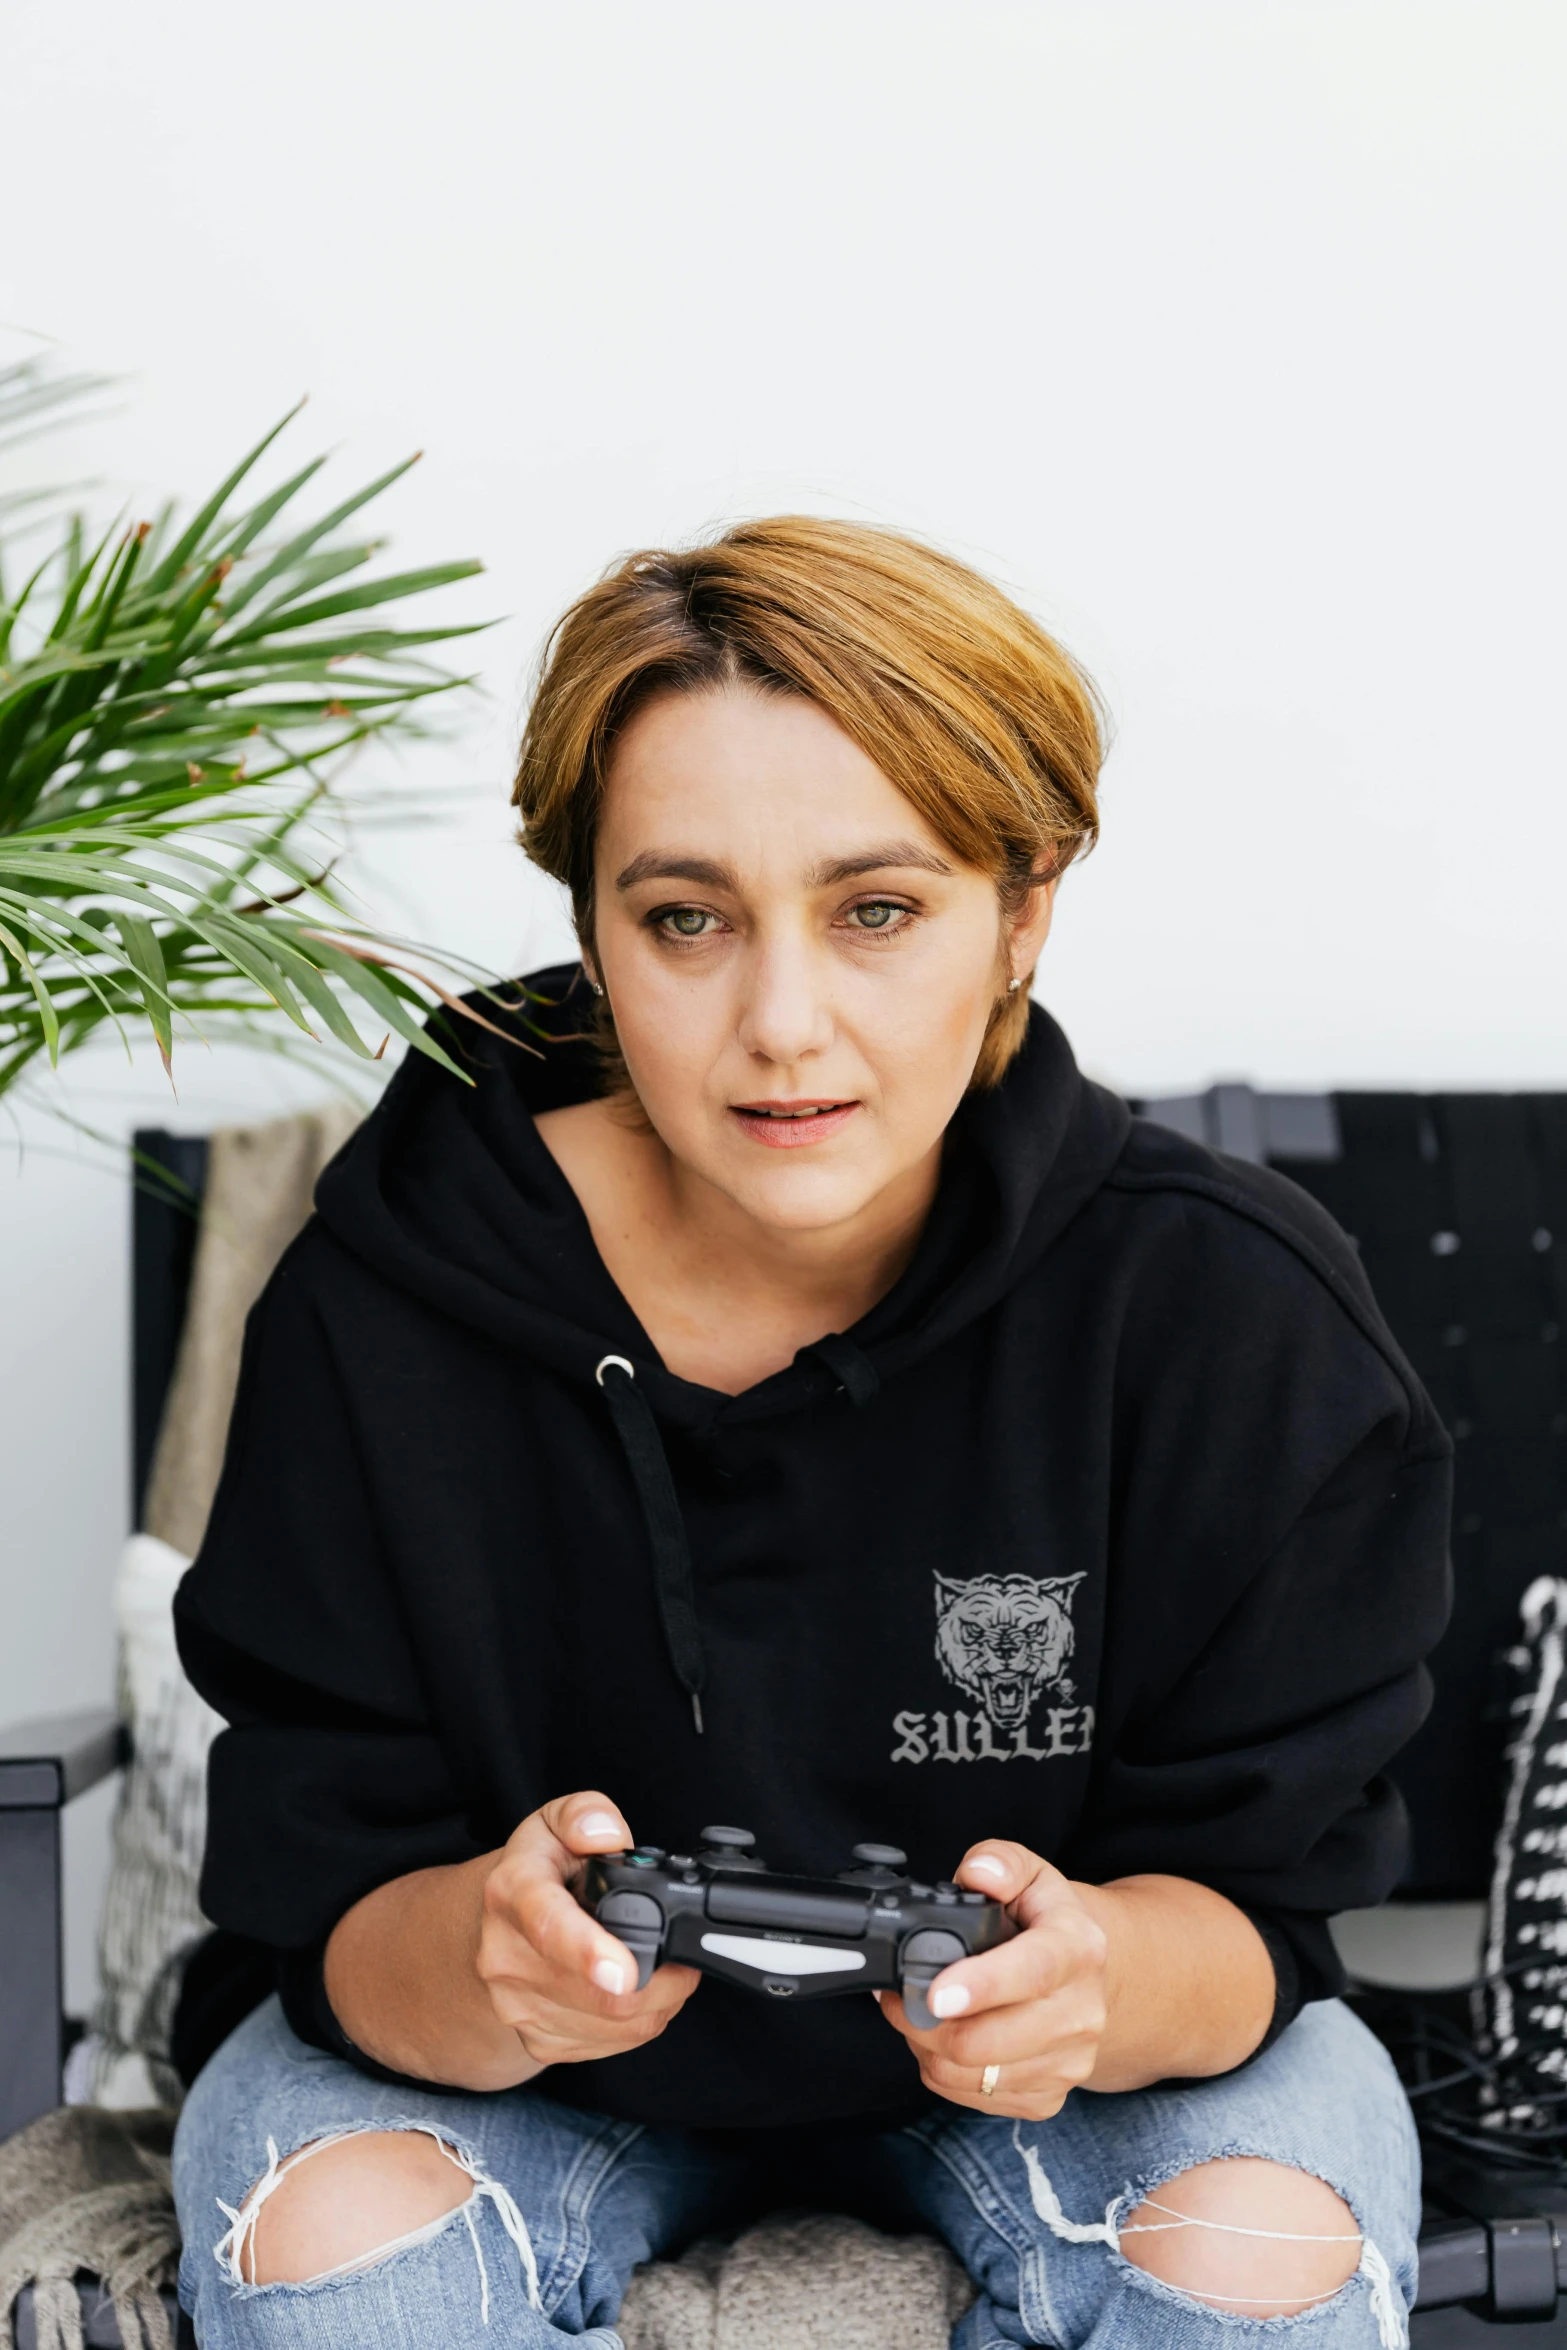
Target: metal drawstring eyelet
614, 1363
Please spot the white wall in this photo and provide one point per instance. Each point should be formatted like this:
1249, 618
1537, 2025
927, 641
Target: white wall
1227, 333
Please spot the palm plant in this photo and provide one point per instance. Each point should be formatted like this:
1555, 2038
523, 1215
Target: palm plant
177, 702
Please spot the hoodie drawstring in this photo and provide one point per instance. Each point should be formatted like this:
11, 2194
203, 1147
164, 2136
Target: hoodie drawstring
666, 1529
644, 1451
853, 1369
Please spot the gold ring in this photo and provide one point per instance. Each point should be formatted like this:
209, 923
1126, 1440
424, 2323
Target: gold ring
988, 2079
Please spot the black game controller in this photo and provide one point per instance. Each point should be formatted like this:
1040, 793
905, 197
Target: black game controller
721, 1909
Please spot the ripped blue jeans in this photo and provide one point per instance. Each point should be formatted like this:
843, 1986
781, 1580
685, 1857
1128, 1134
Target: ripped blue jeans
565, 2204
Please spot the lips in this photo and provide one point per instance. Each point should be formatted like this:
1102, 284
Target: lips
792, 1125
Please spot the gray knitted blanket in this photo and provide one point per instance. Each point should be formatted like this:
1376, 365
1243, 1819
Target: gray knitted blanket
812, 2283
87, 2189
84, 2189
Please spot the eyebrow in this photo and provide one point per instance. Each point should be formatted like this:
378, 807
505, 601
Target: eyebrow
883, 856
655, 865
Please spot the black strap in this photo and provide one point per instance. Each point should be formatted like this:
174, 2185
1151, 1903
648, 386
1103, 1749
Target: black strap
672, 1580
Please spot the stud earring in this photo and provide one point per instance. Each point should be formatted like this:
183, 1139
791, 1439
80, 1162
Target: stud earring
597, 990
1013, 985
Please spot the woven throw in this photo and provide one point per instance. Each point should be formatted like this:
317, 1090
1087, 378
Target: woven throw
799, 2284
261, 1183
84, 2189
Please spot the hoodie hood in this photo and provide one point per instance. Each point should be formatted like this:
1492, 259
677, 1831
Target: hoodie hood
449, 1193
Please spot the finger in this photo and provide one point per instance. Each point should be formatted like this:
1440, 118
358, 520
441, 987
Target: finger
1062, 1943
1002, 1869
540, 1858
586, 1822
1018, 2035
569, 1942
589, 2018
1035, 2032
1034, 2105
555, 1837
1031, 2089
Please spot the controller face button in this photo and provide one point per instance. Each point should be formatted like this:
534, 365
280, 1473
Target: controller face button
947, 1895
974, 1900
642, 1860
648, 1851
681, 1860
922, 1892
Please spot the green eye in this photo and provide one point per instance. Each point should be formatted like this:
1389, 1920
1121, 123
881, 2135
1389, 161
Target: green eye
876, 916
686, 921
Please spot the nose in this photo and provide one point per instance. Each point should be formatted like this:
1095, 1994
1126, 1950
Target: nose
786, 1016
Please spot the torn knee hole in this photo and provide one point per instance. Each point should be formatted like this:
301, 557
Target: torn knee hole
343, 2202
392, 2189
1257, 2237
1274, 2213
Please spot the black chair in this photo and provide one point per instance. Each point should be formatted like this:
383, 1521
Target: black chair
1457, 1204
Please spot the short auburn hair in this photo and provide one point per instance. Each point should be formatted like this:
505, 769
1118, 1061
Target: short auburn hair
978, 717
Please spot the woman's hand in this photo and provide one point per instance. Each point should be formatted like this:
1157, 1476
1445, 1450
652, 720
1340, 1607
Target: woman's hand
1036, 2007
1107, 1987
556, 1977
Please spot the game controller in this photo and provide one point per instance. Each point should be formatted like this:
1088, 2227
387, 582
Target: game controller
872, 1928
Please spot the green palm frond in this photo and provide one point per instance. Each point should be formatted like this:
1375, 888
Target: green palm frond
177, 703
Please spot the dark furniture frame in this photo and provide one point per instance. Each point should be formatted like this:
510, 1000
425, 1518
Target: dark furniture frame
43, 1766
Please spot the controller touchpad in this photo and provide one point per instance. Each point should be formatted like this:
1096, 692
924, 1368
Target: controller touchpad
795, 1909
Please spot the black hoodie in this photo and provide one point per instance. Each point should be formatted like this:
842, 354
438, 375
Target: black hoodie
1118, 1527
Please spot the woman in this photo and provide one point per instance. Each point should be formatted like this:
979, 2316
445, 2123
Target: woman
806, 1401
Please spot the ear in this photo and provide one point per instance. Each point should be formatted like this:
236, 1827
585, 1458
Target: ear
1062, 1587
1026, 941
947, 1593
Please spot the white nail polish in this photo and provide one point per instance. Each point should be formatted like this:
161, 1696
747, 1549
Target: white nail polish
949, 1999
609, 1976
598, 1823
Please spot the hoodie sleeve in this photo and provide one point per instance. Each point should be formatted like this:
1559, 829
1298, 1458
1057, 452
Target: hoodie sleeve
328, 1780
1282, 1576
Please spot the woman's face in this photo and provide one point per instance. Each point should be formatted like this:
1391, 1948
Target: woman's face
801, 972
